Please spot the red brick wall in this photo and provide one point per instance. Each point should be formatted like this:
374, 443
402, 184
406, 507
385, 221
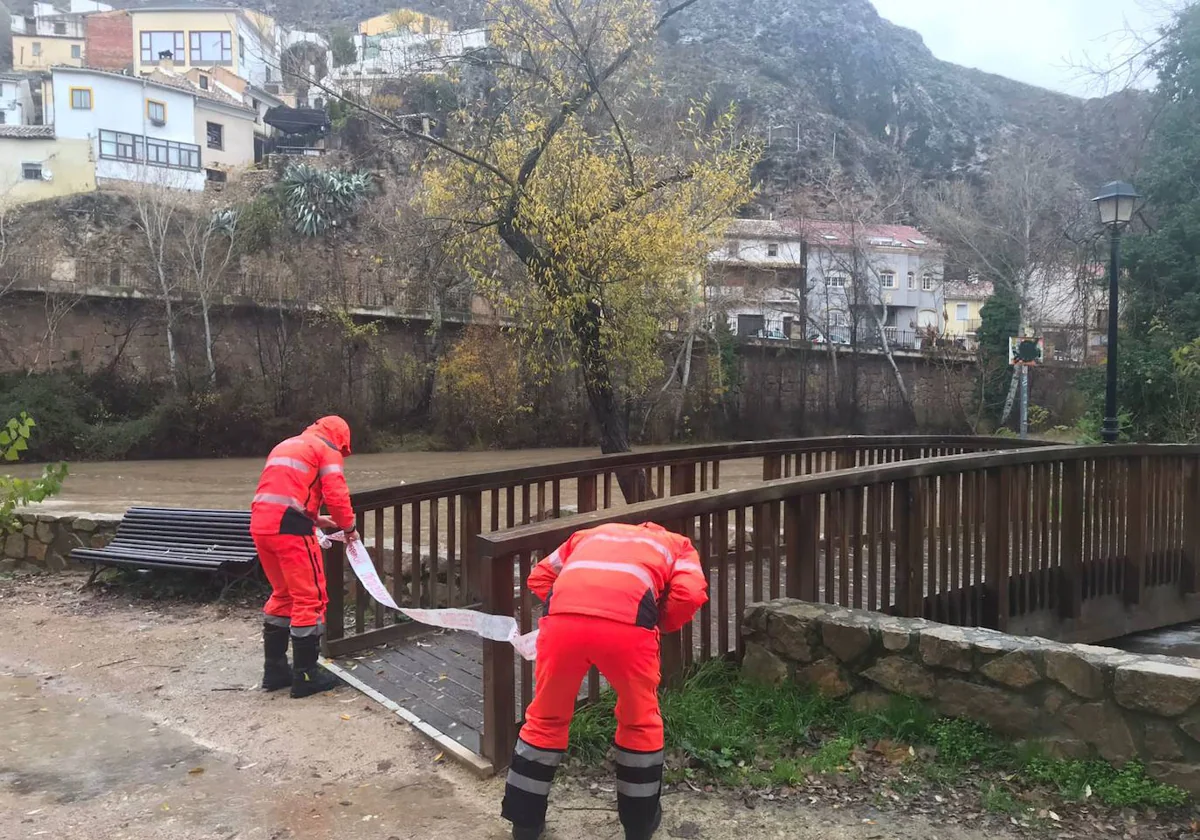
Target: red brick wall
108, 41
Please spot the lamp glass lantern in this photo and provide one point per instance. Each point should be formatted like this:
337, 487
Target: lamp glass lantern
1116, 204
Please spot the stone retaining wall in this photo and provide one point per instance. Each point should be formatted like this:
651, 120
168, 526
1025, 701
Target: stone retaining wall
45, 539
1077, 700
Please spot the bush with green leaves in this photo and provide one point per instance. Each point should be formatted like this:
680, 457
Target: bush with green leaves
319, 200
18, 492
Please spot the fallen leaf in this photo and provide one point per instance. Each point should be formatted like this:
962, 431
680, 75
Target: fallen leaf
195, 771
345, 717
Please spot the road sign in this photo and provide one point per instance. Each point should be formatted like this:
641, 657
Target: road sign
1026, 350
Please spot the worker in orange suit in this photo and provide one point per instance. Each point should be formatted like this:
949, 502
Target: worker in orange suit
302, 474
609, 591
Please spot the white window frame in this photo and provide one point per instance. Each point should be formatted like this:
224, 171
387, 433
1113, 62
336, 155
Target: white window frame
912, 280
927, 282
836, 280
962, 312
887, 279
149, 52
29, 166
772, 249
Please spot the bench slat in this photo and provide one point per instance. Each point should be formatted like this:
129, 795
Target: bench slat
184, 538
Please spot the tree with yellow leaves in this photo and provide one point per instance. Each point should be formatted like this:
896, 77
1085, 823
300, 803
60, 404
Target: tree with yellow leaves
606, 221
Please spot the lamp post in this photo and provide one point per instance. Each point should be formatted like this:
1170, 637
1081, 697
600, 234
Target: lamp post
1116, 203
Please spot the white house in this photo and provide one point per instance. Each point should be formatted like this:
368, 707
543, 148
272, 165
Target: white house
827, 281
403, 52
140, 130
16, 101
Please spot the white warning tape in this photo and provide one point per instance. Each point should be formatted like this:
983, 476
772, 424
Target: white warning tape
496, 628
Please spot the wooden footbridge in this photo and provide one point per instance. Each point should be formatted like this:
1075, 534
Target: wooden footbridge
1071, 543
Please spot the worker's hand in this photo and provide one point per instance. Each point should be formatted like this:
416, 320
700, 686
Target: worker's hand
352, 536
326, 524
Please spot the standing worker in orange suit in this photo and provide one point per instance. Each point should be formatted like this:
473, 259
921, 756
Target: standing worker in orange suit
609, 592
302, 474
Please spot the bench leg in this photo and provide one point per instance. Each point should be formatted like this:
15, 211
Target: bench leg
96, 569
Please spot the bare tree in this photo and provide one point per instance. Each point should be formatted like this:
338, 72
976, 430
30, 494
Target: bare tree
156, 205
207, 242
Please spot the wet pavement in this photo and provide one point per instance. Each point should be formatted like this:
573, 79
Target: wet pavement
1179, 640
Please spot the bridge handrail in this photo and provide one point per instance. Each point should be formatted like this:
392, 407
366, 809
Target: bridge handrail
1075, 542
437, 521
651, 459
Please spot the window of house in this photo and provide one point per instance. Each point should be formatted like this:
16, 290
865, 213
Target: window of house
927, 282
837, 318
772, 249
134, 147
267, 73
1101, 318
211, 47
204, 83
159, 45
216, 176
76, 51
887, 280
37, 48
31, 171
733, 248
912, 280
3, 117
961, 312
81, 99
156, 112
835, 281
60, 27
216, 135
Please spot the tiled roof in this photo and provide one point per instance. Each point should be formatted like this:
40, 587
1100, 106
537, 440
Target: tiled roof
819, 231
25, 132
965, 290
186, 84
759, 229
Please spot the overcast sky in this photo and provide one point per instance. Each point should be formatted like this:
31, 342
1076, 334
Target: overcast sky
1036, 41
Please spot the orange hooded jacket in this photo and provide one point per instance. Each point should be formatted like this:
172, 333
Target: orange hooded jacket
302, 474
634, 574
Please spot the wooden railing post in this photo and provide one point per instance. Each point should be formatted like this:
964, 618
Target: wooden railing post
470, 526
683, 479
910, 548
1190, 581
499, 673
335, 589
1136, 534
586, 499
772, 467
1070, 581
802, 529
997, 512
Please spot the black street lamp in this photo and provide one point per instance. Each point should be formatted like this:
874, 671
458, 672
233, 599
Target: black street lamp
1116, 204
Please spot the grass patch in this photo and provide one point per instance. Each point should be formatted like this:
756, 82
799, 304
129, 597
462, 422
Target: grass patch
737, 733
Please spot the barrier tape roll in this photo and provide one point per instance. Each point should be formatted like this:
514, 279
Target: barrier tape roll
496, 628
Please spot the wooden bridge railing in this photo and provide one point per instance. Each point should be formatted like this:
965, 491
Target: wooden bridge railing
1075, 543
438, 521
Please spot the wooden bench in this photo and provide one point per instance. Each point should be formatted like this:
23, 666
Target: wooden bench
180, 539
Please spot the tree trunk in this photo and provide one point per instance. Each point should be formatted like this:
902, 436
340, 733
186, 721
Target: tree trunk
171, 366
208, 342
887, 352
606, 407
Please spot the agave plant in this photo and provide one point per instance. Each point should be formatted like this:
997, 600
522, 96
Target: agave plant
320, 199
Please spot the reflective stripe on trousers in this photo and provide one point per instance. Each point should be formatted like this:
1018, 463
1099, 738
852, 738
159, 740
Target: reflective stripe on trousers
639, 788
527, 790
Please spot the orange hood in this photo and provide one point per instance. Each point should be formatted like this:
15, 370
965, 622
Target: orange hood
335, 430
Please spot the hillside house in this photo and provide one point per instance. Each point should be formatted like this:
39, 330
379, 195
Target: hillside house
828, 281
963, 313
16, 100
205, 37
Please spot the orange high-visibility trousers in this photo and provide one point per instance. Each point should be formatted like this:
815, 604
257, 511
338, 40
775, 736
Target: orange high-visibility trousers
296, 571
628, 657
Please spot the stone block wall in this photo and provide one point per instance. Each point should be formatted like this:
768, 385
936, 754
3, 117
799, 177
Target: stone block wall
45, 540
1079, 701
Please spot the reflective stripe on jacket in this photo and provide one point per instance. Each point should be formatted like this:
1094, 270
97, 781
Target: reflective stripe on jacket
634, 574
302, 474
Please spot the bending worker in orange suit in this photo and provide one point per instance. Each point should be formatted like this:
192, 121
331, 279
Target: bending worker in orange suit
609, 592
302, 473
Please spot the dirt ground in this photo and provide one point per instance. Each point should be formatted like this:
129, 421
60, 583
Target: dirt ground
139, 719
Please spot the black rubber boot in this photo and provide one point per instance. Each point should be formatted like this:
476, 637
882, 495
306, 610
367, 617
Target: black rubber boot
309, 678
277, 673
526, 833
649, 832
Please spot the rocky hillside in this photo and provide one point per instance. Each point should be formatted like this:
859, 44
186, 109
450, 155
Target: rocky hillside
835, 76
838, 77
